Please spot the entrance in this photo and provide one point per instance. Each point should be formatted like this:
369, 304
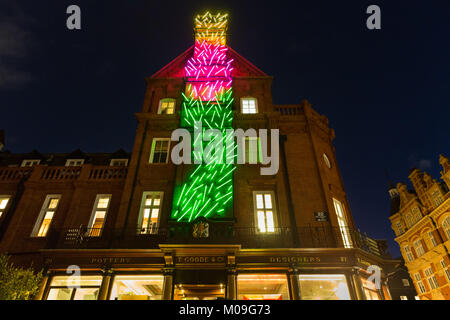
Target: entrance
199, 292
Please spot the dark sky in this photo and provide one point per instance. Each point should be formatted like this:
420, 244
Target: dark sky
385, 92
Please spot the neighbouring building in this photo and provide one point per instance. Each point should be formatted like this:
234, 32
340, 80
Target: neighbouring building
421, 221
400, 284
140, 227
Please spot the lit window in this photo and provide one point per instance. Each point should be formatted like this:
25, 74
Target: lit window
160, 150
98, 215
262, 287
419, 248
403, 298
30, 163
343, 226
416, 297
166, 106
252, 147
446, 269
74, 288
419, 283
3, 204
408, 253
405, 282
399, 228
137, 287
118, 162
74, 162
249, 105
446, 226
264, 211
150, 212
46, 216
432, 238
323, 287
432, 281
327, 161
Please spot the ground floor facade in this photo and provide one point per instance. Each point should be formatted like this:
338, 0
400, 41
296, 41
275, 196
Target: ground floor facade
210, 272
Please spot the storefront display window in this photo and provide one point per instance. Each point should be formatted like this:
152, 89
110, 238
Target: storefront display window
137, 287
73, 288
262, 287
323, 287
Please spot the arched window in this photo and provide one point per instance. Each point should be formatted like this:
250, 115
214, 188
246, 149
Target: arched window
166, 106
249, 105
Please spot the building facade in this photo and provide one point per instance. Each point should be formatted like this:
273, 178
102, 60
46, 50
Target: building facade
140, 226
421, 221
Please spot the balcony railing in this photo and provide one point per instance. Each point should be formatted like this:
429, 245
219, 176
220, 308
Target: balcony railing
14, 174
308, 237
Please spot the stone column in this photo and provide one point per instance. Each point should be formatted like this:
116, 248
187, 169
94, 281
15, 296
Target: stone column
231, 284
106, 283
358, 285
168, 284
45, 280
294, 284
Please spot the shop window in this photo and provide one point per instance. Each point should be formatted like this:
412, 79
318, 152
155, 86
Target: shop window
323, 287
249, 105
160, 150
370, 290
46, 216
264, 206
3, 204
150, 212
30, 163
71, 288
343, 225
262, 287
199, 292
166, 106
98, 215
74, 162
137, 287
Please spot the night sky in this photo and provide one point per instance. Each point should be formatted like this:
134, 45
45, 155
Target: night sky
386, 92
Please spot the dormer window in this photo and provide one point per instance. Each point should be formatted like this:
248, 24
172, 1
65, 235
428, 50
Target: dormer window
166, 106
249, 105
118, 162
30, 163
74, 162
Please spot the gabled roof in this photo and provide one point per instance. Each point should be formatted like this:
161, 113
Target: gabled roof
242, 67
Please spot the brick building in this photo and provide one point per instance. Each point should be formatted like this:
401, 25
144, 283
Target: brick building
118, 218
421, 221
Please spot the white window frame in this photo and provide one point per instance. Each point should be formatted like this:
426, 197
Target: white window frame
244, 111
420, 250
437, 198
408, 253
152, 153
43, 212
432, 239
399, 228
125, 161
446, 269
150, 228
167, 100
405, 282
78, 162
267, 229
431, 278
419, 282
4, 205
95, 209
30, 162
343, 224
446, 226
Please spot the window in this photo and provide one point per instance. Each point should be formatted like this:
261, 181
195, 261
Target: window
432, 281
118, 162
327, 161
150, 212
249, 105
399, 228
419, 283
419, 248
323, 287
98, 215
74, 162
3, 204
252, 148
46, 216
160, 150
432, 238
68, 288
342, 221
166, 106
405, 282
137, 287
262, 287
416, 215
416, 297
403, 298
446, 269
408, 253
446, 226
437, 198
264, 205
30, 163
